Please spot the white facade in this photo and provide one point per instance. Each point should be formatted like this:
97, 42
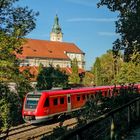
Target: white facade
56, 37
61, 62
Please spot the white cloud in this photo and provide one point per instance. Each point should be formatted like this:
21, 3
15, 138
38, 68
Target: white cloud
107, 34
91, 19
89, 3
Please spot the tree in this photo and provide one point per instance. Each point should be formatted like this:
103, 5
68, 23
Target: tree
127, 25
129, 73
74, 77
23, 85
103, 68
107, 66
135, 57
10, 108
15, 23
97, 72
50, 77
88, 79
40, 67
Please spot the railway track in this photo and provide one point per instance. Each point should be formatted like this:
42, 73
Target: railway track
29, 132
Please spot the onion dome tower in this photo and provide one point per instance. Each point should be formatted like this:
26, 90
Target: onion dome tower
56, 33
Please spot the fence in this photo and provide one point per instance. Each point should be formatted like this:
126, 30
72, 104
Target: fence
109, 125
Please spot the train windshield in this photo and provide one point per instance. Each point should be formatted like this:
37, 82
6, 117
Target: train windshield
32, 101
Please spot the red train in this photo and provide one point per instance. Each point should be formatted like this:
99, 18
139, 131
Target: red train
44, 105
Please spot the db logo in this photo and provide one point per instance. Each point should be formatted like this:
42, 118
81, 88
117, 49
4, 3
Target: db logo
46, 111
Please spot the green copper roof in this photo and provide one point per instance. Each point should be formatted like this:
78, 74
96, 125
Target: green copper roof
56, 28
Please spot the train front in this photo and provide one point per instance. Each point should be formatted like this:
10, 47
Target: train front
31, 107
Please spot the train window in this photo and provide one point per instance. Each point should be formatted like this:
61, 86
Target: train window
62, 100
31, 104
78, 97
46, 102
32, 101
55, 101
83, 97
105, 93
68, 99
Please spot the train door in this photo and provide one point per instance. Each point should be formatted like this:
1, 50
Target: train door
68, 103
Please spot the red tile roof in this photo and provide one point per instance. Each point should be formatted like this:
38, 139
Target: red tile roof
35, 70
69, 70
48, 49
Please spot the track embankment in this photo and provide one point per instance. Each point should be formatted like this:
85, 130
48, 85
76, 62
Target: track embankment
28, 131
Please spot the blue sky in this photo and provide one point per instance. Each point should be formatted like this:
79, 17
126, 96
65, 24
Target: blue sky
92, 29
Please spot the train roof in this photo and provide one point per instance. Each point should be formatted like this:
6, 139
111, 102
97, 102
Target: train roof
75, 90
60, 91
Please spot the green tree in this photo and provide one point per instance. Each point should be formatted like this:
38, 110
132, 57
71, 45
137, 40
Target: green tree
74, 77
15, 23
88, 79
127, 25
129, 73
23, 84
135, 57
107, 66
51, 77
103, 68
10, 108
40, 67
97, 72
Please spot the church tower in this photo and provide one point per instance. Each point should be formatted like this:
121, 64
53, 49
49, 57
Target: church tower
56, 33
